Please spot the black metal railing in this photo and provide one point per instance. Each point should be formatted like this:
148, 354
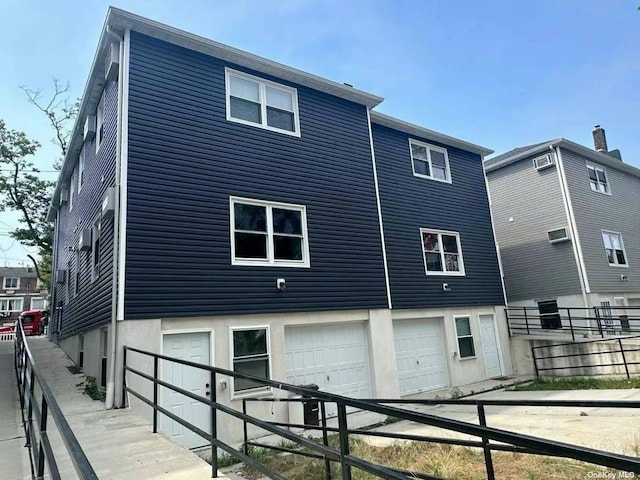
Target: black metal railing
38, 405
575, 322
613, 356
489, 438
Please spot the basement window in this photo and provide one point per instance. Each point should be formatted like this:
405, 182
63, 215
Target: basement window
466, 347
250, 356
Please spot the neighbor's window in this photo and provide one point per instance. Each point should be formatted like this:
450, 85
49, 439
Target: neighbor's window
100, 122
250, 356
268, 233
615, 248
8, 305
429, 161
598, 179
442, 252
38, 304
11, 283
262, 103
465, 339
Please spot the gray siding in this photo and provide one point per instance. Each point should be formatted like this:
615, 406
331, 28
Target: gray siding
594, 212
186, 159
91, 307
410, 203
533, 268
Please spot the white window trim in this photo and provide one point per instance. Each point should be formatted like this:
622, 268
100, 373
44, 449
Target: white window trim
228, 72
270, 261
429, 147
4, 283
12, 299
72, 188
99, 121
461, 273
44, 304
81, 158
472, 336
603, 170
254, 392
624, 250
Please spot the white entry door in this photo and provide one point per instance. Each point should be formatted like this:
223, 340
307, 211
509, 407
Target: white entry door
194, 347
490, 347
420, 355
333, 356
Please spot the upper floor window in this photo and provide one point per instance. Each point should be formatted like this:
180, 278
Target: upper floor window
100, 122
8, 305
615, 248
38, 303
254, 101
81, 169
442, 252
598, 179
72, 189
96, 231
268, 233
11, 283
429, 161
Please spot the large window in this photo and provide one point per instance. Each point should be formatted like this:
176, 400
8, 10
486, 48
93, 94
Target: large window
8, 305
598, 179
442, 252
254, 101
466, 347
615, 249
268, 233
250, 356
429, 161
11, 283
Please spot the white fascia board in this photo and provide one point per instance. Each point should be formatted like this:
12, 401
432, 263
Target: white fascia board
412, 129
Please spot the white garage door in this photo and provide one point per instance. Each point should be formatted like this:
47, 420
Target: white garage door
420, 355
333, 356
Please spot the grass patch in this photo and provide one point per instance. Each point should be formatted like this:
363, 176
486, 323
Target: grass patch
578, 383
447, 461
94, 391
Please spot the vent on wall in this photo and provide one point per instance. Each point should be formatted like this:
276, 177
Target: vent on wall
545, 161
558, 235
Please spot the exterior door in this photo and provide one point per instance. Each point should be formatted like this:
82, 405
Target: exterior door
490, 347
420, 355
333, 356
194, 347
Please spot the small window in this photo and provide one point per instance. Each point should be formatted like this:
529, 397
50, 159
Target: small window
11, 283
250, 356
100, 122
38, 304
76, 285
466, 347
254, 101
429, 161
442, 252
615, 249
558, 235
598, 179
95, 248
10, 305
81, 169
72, 189
549, 315
267, 233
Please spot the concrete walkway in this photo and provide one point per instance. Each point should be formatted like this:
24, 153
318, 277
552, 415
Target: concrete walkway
118, 443
14, 463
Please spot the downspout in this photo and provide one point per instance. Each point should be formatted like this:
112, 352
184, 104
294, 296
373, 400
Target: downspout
111, 374
573, 228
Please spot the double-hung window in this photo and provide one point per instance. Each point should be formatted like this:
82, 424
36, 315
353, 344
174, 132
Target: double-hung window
466, 347
8, 305
598, 179
615, 249
11, 283
38, 303
81, 169
429, 161
95, 248
100, 122
250, 356
442, 252
268, 233
254, 101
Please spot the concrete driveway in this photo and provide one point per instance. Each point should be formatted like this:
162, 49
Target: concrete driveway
610, 429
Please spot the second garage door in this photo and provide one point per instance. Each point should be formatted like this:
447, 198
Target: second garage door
333, 356
420, 355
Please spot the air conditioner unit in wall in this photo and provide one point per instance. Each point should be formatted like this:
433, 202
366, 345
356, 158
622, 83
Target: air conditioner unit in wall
89, 128
108, 203
84, 243
558, 235
545, 161
61, 275
112, 62
64, 196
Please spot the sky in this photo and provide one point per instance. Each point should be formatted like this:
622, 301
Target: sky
500, 74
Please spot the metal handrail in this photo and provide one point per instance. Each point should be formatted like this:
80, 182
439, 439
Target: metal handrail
35, 421
526, 443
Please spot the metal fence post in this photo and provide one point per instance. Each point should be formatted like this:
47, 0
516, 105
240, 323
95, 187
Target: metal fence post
43, 428
124, 377
245, 446
29, 394
624, 358
214, 425
343, 430
325, 440
573, 336
599, 321
488, 461
506, 314
526, 319
535, 360
155, 394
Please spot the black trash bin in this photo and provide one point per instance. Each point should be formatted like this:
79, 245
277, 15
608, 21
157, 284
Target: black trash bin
311, 407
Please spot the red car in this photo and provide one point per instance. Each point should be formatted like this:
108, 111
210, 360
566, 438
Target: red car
33, 322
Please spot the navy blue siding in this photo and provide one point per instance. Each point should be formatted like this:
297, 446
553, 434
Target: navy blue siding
410, 203
186, 159
92, 306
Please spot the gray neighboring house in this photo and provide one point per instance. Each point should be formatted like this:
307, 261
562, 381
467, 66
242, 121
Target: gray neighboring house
567, 222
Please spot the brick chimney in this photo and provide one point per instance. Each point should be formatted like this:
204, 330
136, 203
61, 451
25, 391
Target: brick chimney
600, 139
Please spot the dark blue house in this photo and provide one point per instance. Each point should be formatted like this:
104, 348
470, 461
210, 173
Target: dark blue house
218, 206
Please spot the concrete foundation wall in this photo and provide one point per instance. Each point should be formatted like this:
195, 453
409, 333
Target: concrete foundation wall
92, 362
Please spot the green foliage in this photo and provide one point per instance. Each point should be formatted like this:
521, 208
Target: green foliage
578, 383
92, 389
